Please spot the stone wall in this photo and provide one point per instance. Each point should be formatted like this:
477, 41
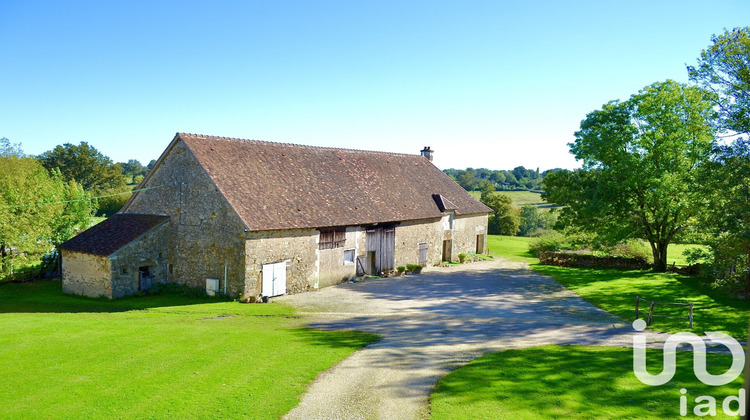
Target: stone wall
465, 231
86, 274
204, 233
331, 266
410, 234
151, 251
298, 247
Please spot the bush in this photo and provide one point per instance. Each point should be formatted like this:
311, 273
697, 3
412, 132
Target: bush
400, 269
414, 268
727, 266
111, 205
552, 242
631, 249
462, 257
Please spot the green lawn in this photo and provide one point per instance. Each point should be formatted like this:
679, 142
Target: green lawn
513, 248
674, 253
615, 291
155, 356
572, 382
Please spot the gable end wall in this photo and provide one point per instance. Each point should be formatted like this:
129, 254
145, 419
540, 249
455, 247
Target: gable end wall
204, 233
86, 274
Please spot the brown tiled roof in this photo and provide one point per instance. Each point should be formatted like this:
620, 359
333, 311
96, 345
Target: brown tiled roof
281, 186
113, 233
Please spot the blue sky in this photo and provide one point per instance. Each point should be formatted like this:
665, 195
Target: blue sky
486, 84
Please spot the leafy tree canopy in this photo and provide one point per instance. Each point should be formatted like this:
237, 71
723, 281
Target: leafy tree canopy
505, 218
8, 149
37, 210
725, 187
640, 159
724, 68
86, 165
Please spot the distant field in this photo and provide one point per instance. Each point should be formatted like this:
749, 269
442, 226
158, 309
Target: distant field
521, 198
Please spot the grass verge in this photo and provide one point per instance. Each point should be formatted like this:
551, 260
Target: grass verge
572, 382
155, 356
513, 248
615, 292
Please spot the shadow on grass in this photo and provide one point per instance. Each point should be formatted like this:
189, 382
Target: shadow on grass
47, 297
616, 290
348, 339
564, 381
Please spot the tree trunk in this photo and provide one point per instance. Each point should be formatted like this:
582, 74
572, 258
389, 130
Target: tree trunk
660, 256
3, 256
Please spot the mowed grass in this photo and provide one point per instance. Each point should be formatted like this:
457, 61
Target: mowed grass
615, 291
674, 253
573, 382
513, 248
155, 356
521, 198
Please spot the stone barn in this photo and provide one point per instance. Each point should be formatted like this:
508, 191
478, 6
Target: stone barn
256, 218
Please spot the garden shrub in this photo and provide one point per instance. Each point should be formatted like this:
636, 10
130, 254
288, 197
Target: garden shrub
111, 205
414, 268
552, 242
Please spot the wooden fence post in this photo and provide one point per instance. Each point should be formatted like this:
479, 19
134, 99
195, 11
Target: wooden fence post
650, 312
690, 315
637, 299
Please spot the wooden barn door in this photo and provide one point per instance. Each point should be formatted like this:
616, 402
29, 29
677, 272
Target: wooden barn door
422, 254
388, 248
381, 250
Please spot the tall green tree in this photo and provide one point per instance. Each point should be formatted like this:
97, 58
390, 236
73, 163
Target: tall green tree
533, 220
86, 165
724, 68
486, 188
132, 168
9, 149
468, 179
505, 218
640, 159
38, 210
725, 187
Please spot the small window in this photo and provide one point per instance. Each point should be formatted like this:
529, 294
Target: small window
348, 256
124, 270
171, 268
334, 238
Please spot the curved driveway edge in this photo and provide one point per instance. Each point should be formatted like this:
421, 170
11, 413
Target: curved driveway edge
433, 323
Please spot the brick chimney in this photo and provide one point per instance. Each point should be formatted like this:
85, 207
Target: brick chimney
427, 152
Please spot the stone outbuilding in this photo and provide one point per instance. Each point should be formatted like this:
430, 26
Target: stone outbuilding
256, 218
117, 257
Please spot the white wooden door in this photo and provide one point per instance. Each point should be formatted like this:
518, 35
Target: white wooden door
274, 279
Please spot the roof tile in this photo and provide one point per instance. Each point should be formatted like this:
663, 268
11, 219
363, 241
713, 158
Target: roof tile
275, 186
113, 233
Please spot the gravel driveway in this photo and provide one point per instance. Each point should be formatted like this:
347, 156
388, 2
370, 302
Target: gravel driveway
434, 322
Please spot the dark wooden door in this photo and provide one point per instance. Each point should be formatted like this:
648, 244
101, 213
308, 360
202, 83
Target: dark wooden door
447, 249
